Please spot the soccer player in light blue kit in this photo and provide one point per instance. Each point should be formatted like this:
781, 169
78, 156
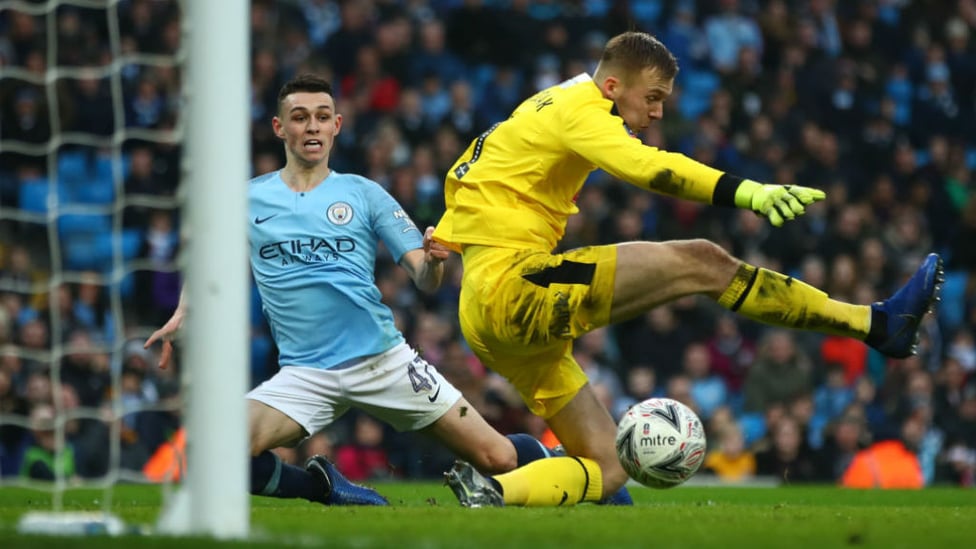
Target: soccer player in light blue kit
314, 235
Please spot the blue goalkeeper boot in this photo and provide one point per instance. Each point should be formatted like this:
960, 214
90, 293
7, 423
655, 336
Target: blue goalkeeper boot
339, 490
901, 314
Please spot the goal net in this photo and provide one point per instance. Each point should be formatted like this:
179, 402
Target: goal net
123, 157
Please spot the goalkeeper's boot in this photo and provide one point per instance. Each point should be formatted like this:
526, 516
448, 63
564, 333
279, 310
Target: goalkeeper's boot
620, 497
338, 489
902, 313
471, 488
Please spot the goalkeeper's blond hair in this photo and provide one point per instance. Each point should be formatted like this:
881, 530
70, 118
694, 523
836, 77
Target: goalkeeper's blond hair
631, 52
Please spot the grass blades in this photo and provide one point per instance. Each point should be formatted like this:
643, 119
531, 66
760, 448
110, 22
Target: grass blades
426, 515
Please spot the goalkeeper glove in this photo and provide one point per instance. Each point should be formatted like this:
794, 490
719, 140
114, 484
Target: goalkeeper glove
778, 203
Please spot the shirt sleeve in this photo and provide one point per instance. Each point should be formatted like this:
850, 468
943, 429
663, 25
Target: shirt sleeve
592, 132
392, 224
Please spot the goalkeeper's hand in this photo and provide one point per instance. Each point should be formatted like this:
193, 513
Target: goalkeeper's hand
778, 203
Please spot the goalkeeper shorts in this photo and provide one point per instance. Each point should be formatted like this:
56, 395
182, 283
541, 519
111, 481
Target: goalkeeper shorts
520, 311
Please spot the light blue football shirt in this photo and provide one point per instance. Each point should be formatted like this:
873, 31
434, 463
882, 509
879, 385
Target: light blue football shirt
313, 256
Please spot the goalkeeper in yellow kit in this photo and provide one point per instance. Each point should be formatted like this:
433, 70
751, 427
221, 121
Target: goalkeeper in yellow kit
508, 198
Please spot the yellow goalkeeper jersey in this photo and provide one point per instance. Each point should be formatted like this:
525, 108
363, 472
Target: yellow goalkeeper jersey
516, 184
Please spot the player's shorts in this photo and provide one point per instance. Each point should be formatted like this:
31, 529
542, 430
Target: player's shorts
520, 311
398, 387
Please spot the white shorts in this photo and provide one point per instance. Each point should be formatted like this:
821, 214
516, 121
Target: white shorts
397, 387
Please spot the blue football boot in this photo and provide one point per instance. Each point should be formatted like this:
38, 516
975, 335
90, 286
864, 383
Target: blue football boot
338, 489
901, 314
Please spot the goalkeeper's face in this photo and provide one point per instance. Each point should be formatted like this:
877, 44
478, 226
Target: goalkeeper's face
639, 97
307, 123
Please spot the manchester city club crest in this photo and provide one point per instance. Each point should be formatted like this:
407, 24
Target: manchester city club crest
340, 213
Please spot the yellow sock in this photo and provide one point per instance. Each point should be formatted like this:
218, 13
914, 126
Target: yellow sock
780, 300
553, 482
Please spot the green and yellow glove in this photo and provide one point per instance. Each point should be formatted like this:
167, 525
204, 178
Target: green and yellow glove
778, 203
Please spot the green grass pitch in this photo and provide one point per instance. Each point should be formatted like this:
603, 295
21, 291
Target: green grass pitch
426, 515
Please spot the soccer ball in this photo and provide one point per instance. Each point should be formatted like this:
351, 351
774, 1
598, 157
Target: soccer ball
660, 442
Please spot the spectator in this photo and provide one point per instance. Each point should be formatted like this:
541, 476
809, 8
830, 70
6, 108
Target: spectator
788, 460
780, 372
369, 86
707, 389
845, 437
960, 444
432, 56
43, 460
657, 339
592, 352
26, 118
410, 117
727, 32
936, 110
12, 437
731, 352
641, 384
731, 461
866, 397
833, 395
85, 368
158, 289
147, 107
364, 457
889, 464
354, 32
91, 110
679, 388
87, 436
34, 337
462, 115
142, 179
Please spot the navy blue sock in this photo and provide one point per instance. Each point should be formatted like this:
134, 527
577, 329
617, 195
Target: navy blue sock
528, 448
271, 477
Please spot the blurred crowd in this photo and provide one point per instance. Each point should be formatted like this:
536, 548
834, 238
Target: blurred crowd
873, 101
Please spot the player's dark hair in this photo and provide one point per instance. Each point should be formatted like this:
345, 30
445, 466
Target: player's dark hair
308, 83
633, 51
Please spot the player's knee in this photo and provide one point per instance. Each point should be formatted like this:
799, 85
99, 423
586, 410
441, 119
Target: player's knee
260, 442
710, 259
257, 447
497, 458
709, 252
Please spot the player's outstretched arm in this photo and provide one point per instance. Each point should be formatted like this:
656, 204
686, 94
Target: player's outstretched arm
778, 203
168, 332
426, 265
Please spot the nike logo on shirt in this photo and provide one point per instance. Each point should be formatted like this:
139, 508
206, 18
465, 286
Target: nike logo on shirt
260, 220
436, 394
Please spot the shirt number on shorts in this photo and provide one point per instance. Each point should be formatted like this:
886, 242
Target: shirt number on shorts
421, 381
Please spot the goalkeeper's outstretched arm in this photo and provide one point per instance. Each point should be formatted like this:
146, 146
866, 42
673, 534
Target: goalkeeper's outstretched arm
598, 138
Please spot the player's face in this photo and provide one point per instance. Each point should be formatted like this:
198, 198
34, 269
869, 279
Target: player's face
640, 98
308, 124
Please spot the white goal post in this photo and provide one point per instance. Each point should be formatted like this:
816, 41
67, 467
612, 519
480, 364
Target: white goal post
215, 500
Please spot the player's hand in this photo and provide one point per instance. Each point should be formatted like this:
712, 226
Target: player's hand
166, 335
780, 203
434, 252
